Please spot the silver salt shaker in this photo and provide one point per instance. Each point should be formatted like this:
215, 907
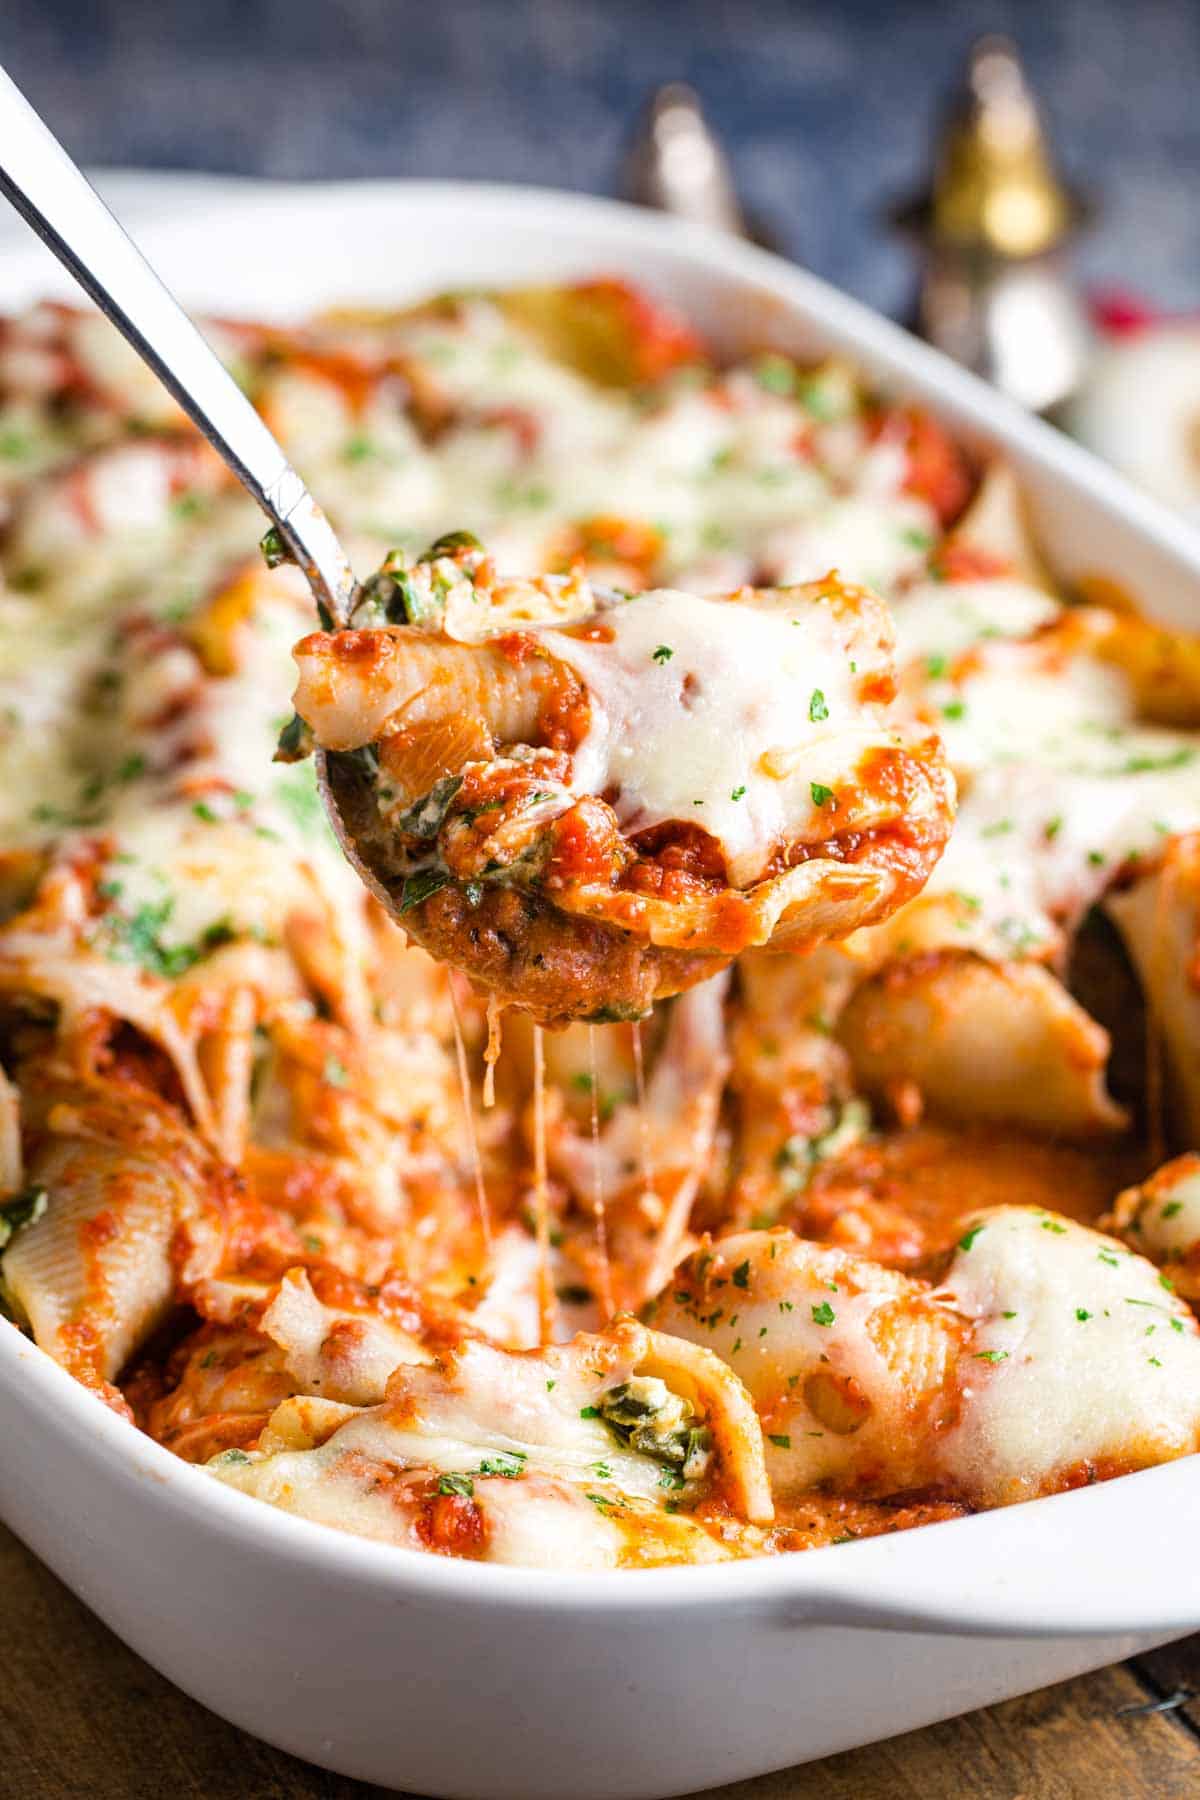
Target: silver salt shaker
676, 164
994, 230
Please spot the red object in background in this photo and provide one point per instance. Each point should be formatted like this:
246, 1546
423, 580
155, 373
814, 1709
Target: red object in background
1139, 403
1118, 312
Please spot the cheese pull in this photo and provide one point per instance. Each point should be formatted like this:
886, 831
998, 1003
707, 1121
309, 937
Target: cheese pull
589, 800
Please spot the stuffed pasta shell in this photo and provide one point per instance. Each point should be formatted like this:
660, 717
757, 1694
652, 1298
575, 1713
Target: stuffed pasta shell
1044, 1355
588, 800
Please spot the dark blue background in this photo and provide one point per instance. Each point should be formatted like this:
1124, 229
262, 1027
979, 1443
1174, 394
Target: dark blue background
827, 107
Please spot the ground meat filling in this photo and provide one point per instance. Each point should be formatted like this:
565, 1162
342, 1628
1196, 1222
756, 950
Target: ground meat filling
513, 943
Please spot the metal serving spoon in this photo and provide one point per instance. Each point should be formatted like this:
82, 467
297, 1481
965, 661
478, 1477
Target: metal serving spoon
51, 194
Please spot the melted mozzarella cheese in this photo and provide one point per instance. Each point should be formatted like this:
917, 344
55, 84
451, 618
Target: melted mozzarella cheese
704, 710
1162, 1217
538, 1409
519, 1437
1048, 1354
941, 619
845, 1361
1060, 786
358, 1481
733, 477
334, 1353
871, 539
1080, 1359
191, 812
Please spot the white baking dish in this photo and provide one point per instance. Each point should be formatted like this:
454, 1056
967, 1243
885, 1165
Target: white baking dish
449, 1678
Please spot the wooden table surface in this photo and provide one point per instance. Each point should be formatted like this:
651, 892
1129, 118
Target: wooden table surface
82, 1716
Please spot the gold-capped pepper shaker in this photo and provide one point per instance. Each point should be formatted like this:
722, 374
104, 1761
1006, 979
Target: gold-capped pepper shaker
676, 164
996, 290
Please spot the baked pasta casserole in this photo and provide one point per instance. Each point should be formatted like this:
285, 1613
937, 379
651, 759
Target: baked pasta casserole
732, 1156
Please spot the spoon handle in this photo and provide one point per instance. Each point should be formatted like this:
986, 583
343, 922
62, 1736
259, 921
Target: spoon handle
51, 194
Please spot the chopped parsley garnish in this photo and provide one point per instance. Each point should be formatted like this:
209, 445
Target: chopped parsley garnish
663, 654
741, 1275
508, 1464
823, 1314
138, 937
589, 1412
359, 448
822, 795
935, 666
456, 1484
738, 793
954, 709
814, 398
1171, 1209
776, 374
991, 1356
968, 1237
296, 792
1082, 1314
780, 1439
818, 708
1147, 765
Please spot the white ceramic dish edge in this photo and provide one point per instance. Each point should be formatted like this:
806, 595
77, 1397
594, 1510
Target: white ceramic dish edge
450, 1678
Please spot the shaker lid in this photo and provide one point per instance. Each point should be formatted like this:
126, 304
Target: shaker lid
996, 187
676, 163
